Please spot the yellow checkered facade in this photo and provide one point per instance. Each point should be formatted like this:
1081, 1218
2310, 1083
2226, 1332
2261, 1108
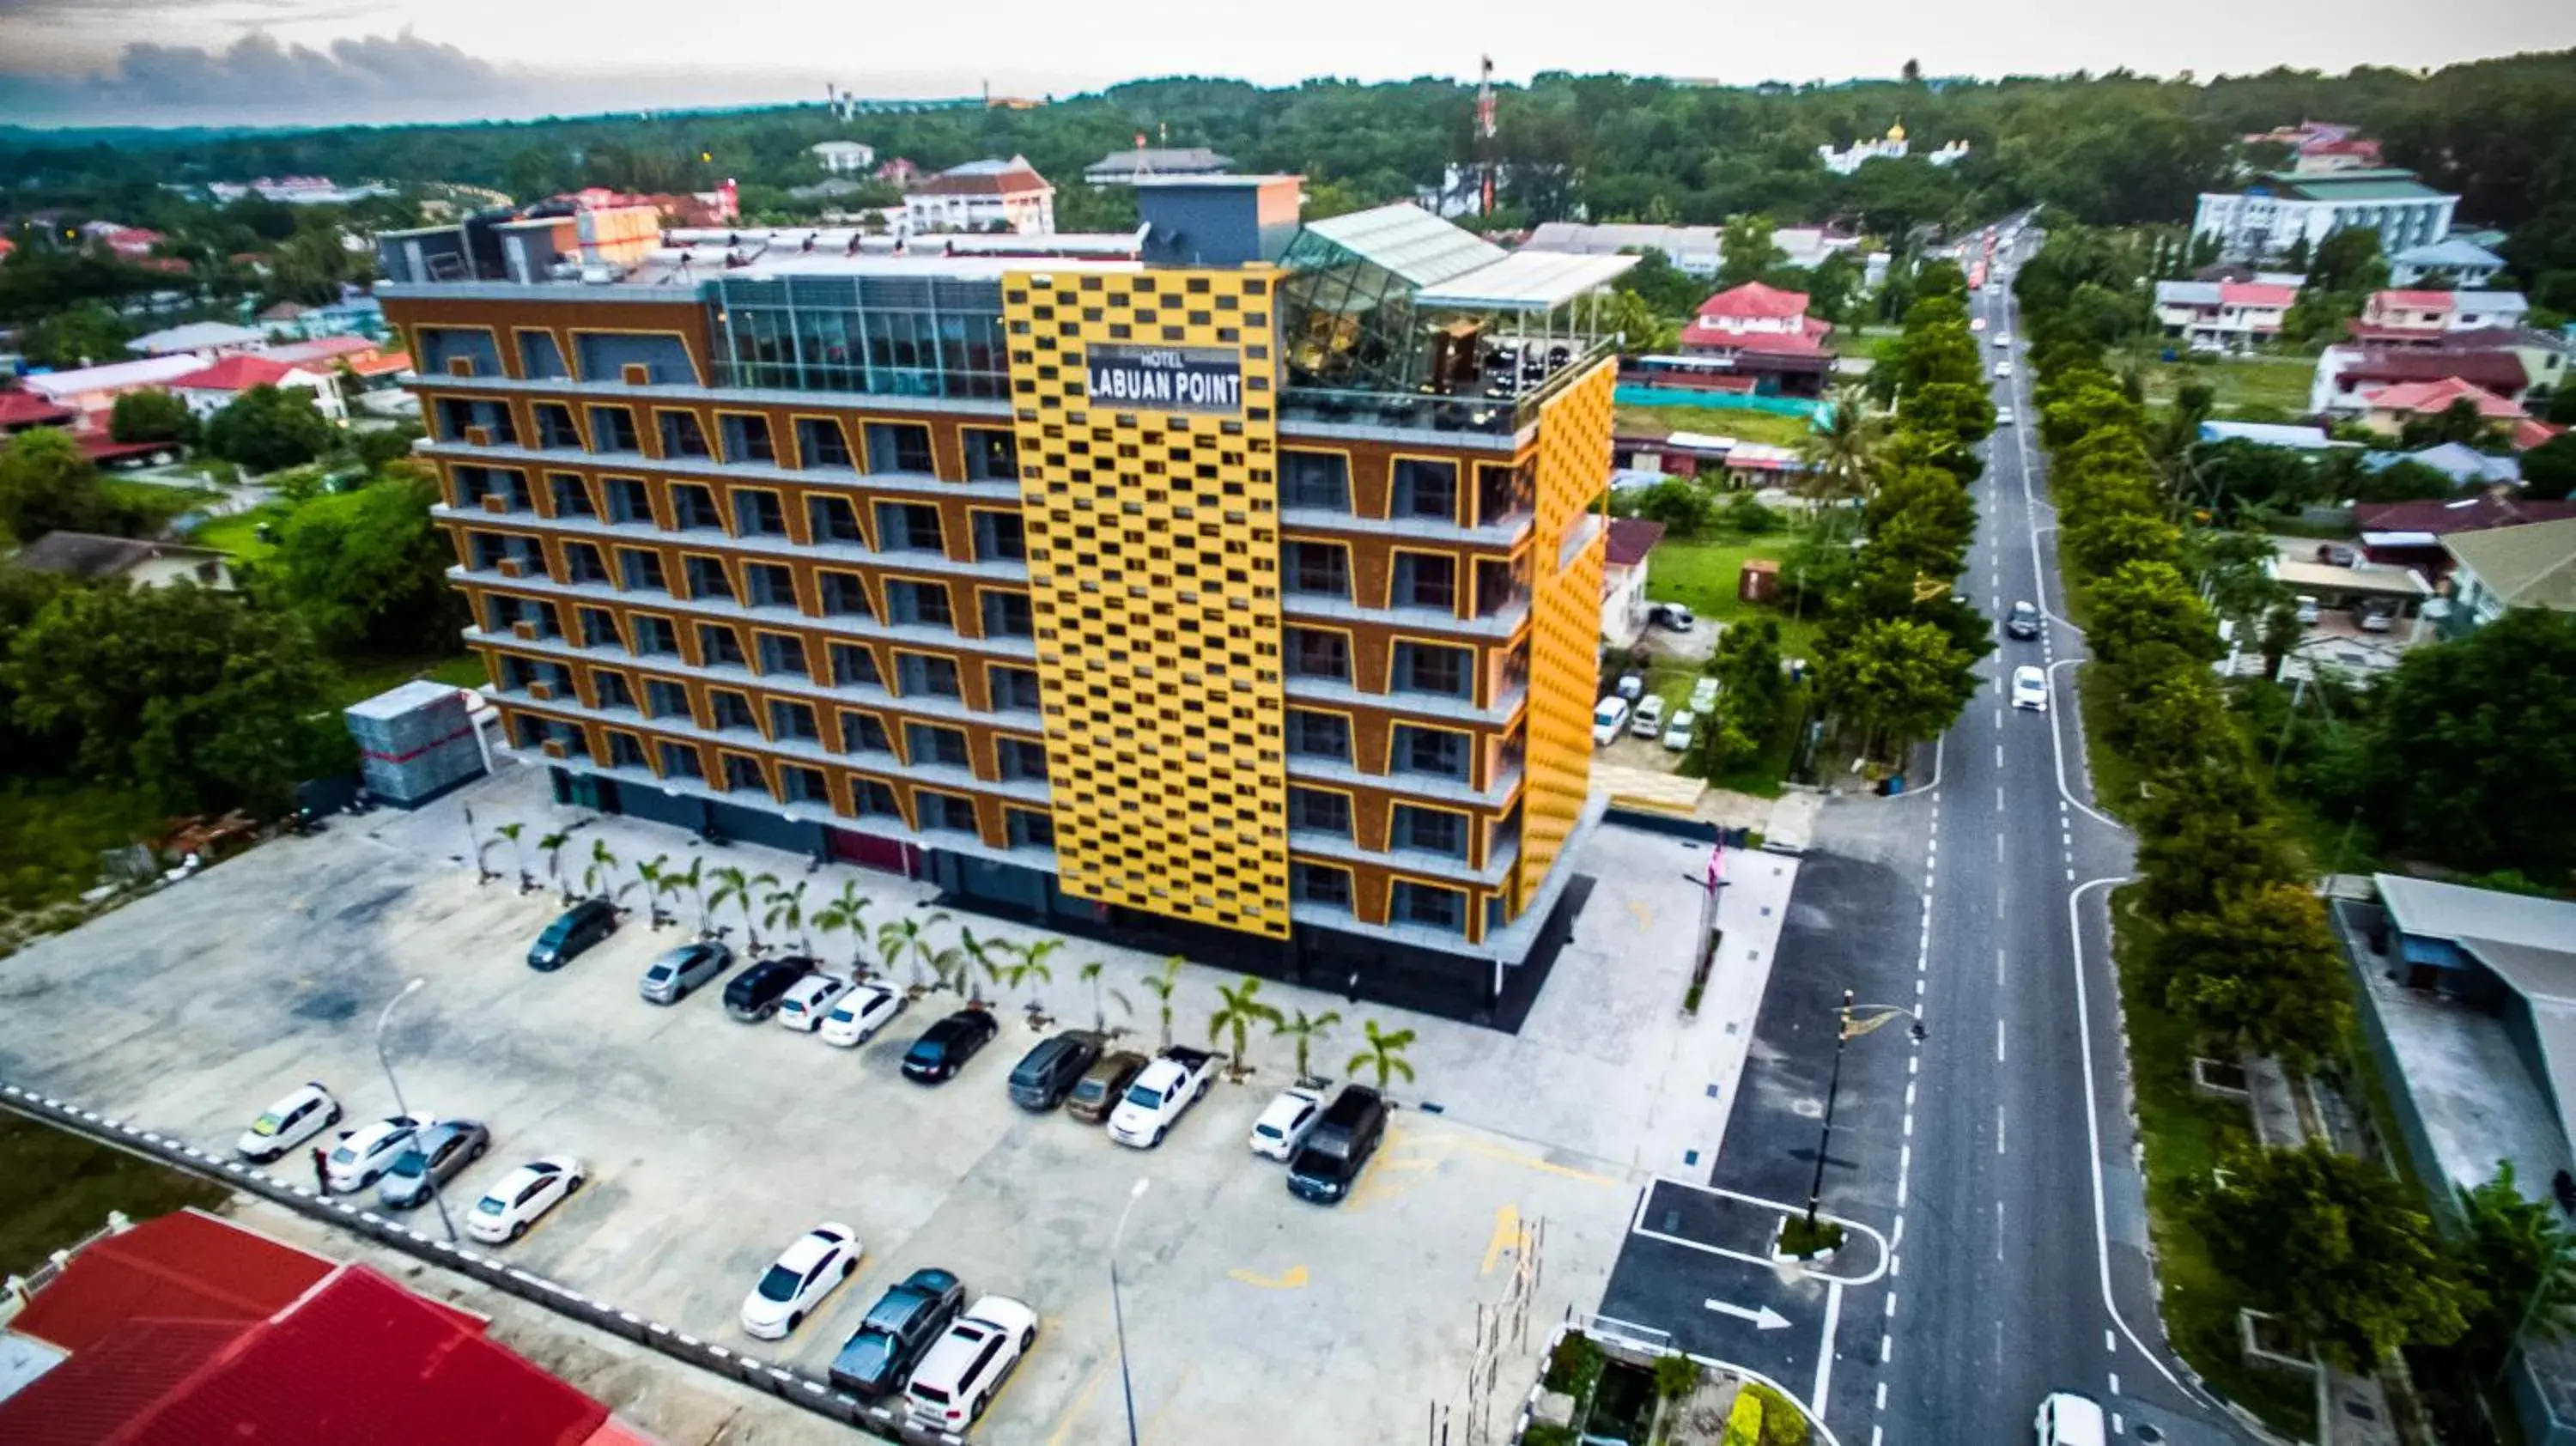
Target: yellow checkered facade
1153, 551
1565, 622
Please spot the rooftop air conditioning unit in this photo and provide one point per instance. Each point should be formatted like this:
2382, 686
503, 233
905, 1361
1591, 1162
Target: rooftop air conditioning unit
601, 274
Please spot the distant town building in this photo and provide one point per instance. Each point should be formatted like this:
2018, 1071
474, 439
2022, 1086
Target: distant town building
297, 190
2398, 315
841, 158
1122, 168
2322, 147
2276, 210
1760, 334
138, 562
206, 339
2455, 259
134, 243
2223, 315
1693, 250
1891, 147
210, 389
987, 195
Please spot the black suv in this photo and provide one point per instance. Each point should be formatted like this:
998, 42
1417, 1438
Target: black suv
754, 993
945, 1047
880, 1355
1046, 1074
1329, 1162
573, 931
2022, 622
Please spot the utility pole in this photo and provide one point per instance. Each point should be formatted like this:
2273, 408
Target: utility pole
1485, 138
1846, 1027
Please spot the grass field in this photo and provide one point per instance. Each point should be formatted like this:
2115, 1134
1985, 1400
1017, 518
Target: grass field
56, 1188
1742, 423
2266, 385
238, 534
362, 678
1700, 573
154, 503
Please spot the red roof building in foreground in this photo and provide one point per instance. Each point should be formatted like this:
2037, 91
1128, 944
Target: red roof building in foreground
1765, 332
188, 1330
2390, 408
20, 410
1754, 301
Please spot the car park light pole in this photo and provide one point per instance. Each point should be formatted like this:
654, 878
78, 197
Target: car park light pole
1118, 1310
1845, 1027
428, 1167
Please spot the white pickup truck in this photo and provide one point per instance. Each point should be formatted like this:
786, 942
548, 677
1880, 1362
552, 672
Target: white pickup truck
1162, 1092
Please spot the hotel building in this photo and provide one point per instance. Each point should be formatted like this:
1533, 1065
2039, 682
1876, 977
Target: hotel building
1233, 587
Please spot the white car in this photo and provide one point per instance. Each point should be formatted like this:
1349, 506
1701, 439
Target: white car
2030, 688
799, 1278
1609, 721
2067, 1419
1650, 718
2003, 339
2003, 416
809, 999
1631, 688
1677, 733
1703, 695
1284, 1123
860, 1013
1976, 323
1162, 1093
368, 1151
288, 1123
523, 1197
958, 1376
2003, 369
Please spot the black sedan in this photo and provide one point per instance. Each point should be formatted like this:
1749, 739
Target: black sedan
944, 1048
754, 993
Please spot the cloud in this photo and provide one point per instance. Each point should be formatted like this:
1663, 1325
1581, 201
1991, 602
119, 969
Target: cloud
257, 78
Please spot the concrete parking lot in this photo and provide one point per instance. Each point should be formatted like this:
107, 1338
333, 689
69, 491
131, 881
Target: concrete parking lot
713, 1144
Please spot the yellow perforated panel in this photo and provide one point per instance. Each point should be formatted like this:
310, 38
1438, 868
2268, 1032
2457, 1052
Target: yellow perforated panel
1565, 623
1153, 558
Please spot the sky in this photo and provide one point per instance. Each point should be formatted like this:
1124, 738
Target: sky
239, 62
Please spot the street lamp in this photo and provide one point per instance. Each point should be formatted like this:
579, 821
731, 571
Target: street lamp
1848, 1022
400, 1108
1118, 1310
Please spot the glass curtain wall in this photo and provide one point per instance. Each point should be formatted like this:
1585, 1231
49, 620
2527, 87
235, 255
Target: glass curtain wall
900, 336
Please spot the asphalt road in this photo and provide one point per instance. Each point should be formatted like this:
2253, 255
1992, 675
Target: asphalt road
1993, 1156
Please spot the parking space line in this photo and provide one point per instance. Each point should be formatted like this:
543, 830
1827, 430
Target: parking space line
1081, 1400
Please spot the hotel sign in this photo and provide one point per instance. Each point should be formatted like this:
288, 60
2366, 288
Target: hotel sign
1169, 378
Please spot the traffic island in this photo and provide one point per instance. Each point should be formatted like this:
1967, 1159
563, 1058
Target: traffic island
1605, 1383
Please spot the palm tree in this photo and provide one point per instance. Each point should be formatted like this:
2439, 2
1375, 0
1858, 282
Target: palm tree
1163, 984
1384, 1055
601, 877
901, 939
511, 832
1240, 1008
650, 878
551, 847
1033, 965
848, 912
695, 881
1308, 1031
985, 955
787, 914
1839, 454
1099, 1011
733, 886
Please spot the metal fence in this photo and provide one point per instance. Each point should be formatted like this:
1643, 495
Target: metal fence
795, 1387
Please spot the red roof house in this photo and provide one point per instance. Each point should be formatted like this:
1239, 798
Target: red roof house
20, 410
1766, 332
1753, 300
184, 1339
235, 373
2256, 294
1623, 576
2390, 408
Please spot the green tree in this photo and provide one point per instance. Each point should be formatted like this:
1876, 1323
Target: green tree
1680, 503
1091, 973
2470, 759
2202, 829
847, 912
2517, 1255
151, 415
1641, 328
2549, 470
267, 427
786, 915
2146, 603
1745, 251
1308, 1030
1238, 1009
1898, 680
81, 337
187, 692
1162, 986
2335, 1247
550, 848
368, 570
48, 484
1383, 1054
2262, 971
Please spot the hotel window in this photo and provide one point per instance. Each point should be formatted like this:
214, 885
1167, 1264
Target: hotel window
1015, 688
820, 442
654, 636
793, 720
758, 514
731, 710
928, 743
1021, 759
693, 508
1429, 830
681, 435
924, 676
1429, 750
718, 646
800, 784
1313, 654
864, 733
991, 456
872, 796
1312, 810
1430, 668
898, 447
582, 564
780, 653
1318, 569
1006, 615
1427, 490
570, 498
598, 628
628, 500
1319, 735
769, 585
1319, 480
746, 438
1000, 535
666, 699
612, 690
1326, 886
708, 579
555, 429
908, 527
1426, 581
742, 775
1030, 829
539, 358
843, 594
920, 604
614, 429
854, 667
640, 570
834, 520
1429, 905
1504, 492
944, 811
625, 751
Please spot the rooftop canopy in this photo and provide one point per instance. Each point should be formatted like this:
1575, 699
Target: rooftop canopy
1408, 242
1525, 281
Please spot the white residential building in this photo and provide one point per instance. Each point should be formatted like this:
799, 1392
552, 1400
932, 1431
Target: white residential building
2278, 209
841, 158
2223, 315
1891, 147
2456, 258
983, 195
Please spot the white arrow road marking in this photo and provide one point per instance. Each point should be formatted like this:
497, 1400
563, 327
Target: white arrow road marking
1765, 1319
